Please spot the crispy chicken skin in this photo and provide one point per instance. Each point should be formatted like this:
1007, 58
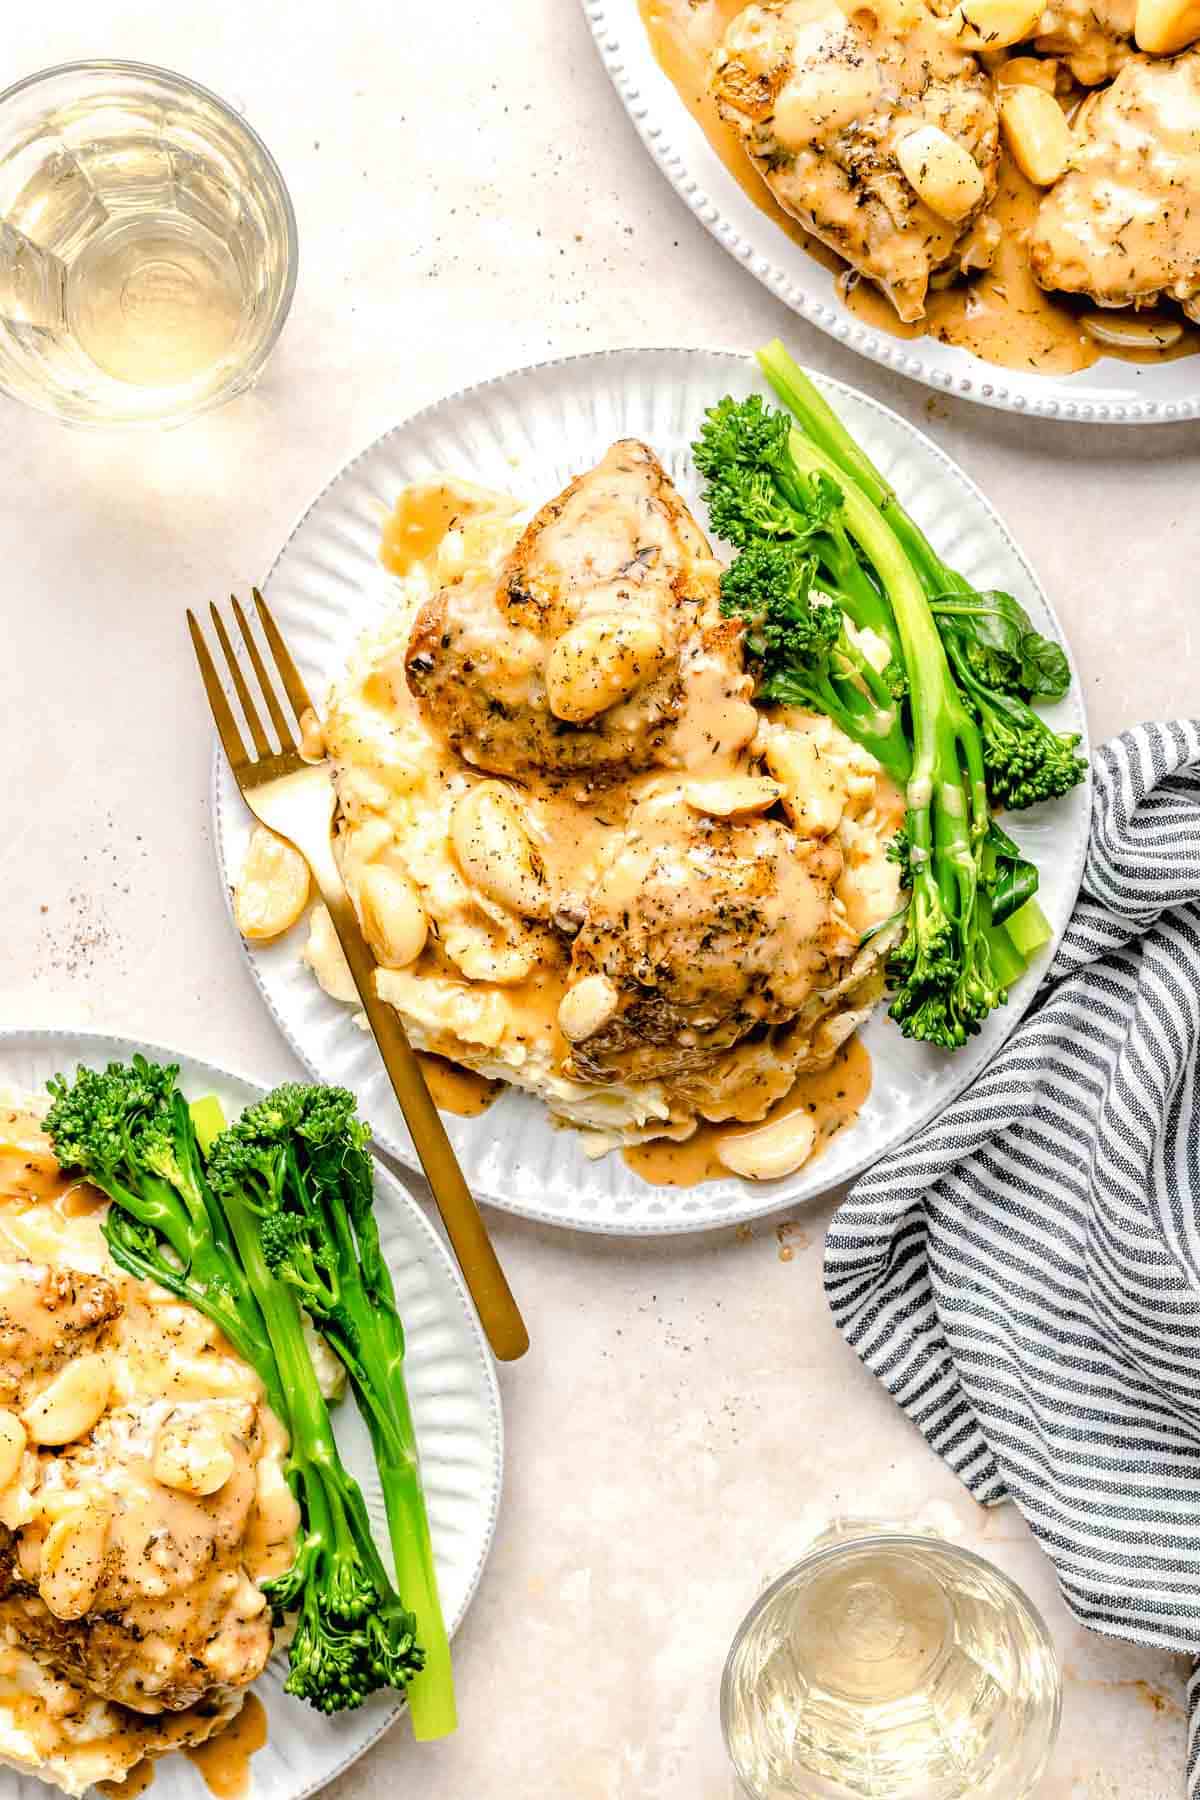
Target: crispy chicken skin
704, 929
1094, 38
47, 1316
1123, 224
174, 1620
821, 101
143, 1493
573, 663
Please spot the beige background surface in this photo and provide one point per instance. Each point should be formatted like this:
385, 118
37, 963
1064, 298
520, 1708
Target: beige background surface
471, 197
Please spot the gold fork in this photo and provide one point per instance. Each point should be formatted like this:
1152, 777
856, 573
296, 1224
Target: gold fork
296, 799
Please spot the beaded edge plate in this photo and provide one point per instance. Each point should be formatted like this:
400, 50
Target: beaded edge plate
1110, 392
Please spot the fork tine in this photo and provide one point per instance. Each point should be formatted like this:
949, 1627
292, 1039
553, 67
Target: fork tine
222, 712
284, 730
261, 741
289, 674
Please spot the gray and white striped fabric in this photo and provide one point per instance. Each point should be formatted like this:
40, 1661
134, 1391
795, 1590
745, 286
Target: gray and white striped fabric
1025, 1277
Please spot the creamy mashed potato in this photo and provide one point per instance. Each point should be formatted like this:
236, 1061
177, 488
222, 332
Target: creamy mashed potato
142, 1493
747, 862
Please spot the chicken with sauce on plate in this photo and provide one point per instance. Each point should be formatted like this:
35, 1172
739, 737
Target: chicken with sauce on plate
1012, 176
143, 1494
883, 140
588, 864
1123, 224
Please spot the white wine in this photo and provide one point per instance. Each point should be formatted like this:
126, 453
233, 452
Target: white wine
893, 1668
146, 245
155, 301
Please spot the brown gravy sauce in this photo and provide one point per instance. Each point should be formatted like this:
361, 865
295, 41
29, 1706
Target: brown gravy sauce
1000, 315
135, 1783
417, 524
224, 1761
455, 1089
833, 1096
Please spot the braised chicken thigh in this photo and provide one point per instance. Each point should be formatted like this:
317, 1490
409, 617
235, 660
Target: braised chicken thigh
883, 142
1123, 224
575, 661
701, 930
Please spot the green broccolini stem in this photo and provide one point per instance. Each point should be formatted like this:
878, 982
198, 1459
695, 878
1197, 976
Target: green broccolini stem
376, 1372
821, 424
940, 723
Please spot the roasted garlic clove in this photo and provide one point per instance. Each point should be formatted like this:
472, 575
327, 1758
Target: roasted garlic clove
73, 1402
775, 1149
941, 171
587, 1007
1036, 132
738, 796
391, 914
272, 889
600, 661
496, 853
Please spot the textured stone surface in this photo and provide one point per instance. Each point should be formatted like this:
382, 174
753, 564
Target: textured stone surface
471, 197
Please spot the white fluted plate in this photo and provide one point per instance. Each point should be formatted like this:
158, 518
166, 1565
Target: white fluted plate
456, 1411
529, 433
1110, 392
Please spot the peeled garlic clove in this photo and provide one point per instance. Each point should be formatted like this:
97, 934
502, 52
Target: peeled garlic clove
1124, 332
72, 1403
1029, 71
739, 796
1036, 132
587, 1007
312, 736
12, 1447
192, 1455
814, 790
495, 852
991, 24
73, 1559
941, 171
272, 889
773, 1150
325, 957
1162, 27
392, 917
600, 661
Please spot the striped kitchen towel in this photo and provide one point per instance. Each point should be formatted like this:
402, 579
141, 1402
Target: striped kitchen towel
1024, 1278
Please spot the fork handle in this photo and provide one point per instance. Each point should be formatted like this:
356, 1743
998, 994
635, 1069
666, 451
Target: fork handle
498, 1311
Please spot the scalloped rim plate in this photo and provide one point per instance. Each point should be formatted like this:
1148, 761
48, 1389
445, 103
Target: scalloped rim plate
530, 432
456, 1409
1110, 392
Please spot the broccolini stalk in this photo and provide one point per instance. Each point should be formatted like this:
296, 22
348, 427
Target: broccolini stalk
353, 1633
942, 967
825, 430
314, 1204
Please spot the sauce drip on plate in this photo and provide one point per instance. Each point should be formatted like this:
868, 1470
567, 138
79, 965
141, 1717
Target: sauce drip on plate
417, 524
833, 1097
135, 1783
455, 1089
224, 1761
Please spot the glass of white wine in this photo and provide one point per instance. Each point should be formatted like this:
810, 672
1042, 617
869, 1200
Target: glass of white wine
147, 246
891, 1666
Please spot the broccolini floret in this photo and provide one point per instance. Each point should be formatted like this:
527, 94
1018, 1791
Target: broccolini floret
797, 640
